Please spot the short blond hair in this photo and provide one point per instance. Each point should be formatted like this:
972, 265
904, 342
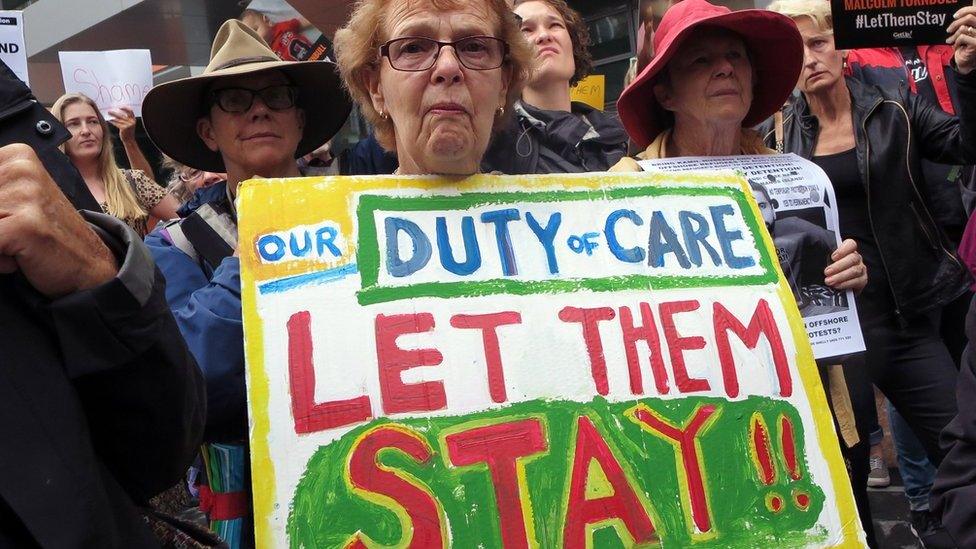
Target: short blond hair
817, 10
357, 51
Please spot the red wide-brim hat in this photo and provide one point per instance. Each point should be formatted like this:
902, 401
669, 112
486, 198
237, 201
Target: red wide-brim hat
775, 51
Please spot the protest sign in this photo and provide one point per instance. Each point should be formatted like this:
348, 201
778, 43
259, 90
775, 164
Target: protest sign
805, 230
592, 360
13, 50
117, 78
590, 90
891, 23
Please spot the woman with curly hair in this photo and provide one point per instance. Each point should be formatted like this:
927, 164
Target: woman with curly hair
551, 133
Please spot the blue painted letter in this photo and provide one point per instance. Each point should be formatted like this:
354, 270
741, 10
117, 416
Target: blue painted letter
670, 244
472, 253
546, 236
504, 240
421, 247
630, 255
695, 237
324, 238
725, 237
274, 254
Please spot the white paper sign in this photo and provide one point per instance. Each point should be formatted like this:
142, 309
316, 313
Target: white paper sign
805, 224
118, 78
13, 49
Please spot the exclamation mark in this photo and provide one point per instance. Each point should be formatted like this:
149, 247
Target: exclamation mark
787, 440
760, 449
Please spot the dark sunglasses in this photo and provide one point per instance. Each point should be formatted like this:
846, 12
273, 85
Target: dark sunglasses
239, 100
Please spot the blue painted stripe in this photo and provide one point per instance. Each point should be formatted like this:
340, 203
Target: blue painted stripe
320, 277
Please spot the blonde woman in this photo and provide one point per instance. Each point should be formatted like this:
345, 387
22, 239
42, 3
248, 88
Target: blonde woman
129, 195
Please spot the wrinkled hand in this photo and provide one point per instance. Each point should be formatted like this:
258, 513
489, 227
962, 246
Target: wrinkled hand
41, 234
125, 120
848, 271
962, 36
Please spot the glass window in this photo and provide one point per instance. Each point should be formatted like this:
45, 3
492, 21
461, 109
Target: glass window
610, 35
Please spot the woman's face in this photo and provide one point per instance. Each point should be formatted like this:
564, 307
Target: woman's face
823, 66
86, 132
442, 116
710, 79
546, 31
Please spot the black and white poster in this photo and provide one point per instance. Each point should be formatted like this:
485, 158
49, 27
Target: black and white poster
797, 203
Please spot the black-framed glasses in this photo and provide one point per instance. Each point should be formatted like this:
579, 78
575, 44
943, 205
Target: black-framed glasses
414, 53
237, 100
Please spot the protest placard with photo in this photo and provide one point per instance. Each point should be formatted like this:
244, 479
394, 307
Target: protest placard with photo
587, 360
891, 23
800, 212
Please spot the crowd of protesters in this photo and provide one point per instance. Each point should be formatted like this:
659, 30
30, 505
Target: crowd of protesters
126, 317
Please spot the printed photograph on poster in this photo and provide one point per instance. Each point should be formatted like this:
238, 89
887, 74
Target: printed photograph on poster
289, 33
891, 23
798, 206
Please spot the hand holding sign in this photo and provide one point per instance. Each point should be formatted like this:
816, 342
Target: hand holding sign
847, 272
125, 120
962, 35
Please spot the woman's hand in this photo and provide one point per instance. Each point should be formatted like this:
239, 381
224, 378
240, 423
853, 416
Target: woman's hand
125, 120
848, 271
962, 36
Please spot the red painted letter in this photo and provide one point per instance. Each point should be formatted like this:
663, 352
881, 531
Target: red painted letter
647, 331
691, 463
677, 345
488, 324
367, 475
311, 417
499, 447
622, 503
393, 361
591, 335
762, 322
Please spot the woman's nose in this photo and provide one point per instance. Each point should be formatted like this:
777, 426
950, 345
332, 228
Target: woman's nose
447, 66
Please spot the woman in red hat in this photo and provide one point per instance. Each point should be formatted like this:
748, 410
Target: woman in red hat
715, 74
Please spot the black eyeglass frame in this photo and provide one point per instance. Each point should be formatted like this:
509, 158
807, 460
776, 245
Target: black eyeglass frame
385, 51
293, 93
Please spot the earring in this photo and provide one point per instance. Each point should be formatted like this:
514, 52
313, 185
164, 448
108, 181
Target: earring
384, 116
501, 111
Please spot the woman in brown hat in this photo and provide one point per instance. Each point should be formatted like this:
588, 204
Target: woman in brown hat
248, 115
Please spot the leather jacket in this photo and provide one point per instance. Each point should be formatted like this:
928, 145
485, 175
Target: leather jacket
894, 131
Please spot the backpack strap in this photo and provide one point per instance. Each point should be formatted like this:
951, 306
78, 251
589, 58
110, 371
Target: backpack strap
209, 233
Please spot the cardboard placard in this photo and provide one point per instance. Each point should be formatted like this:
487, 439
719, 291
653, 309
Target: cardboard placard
891, 23
116, 78
13, 49
590, 90
540, 361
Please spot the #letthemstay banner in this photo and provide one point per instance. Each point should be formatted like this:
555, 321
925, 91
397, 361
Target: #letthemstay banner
891, 23
594, 360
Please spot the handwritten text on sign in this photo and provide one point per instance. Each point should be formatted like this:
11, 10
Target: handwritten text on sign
455, 372
113, 79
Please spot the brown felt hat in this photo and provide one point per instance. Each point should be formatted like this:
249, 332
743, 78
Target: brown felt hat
170, 111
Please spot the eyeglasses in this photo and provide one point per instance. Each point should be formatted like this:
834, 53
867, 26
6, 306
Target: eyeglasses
190, 174
415, 54
239, 100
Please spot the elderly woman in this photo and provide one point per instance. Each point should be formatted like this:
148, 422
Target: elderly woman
248, 115
701, 93
552, 134
435, 79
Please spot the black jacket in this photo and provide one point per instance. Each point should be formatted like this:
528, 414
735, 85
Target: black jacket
101, 404
894, 131
954, 491
538, 141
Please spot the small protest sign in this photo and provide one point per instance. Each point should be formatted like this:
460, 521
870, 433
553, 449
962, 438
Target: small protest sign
117, 78
592, 360
590, 90
891, 23
13, 49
